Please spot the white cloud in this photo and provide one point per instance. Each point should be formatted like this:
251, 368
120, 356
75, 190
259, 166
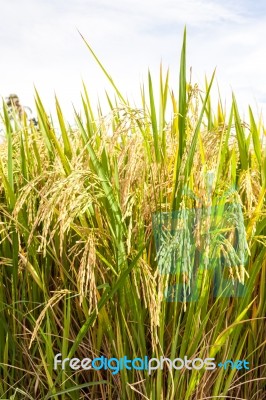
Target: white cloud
39, 44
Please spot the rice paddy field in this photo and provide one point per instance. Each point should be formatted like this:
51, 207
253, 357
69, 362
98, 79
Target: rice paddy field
134, 234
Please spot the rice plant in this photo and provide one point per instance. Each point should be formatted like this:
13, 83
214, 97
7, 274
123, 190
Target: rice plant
133, 234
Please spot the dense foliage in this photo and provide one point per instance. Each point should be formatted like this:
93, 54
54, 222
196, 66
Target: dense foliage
97, 223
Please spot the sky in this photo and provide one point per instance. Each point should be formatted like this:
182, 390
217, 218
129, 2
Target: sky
40, 46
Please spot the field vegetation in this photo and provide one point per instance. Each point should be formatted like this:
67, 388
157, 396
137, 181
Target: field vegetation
97, 224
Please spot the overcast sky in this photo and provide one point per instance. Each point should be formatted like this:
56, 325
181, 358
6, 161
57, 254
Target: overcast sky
40, 45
